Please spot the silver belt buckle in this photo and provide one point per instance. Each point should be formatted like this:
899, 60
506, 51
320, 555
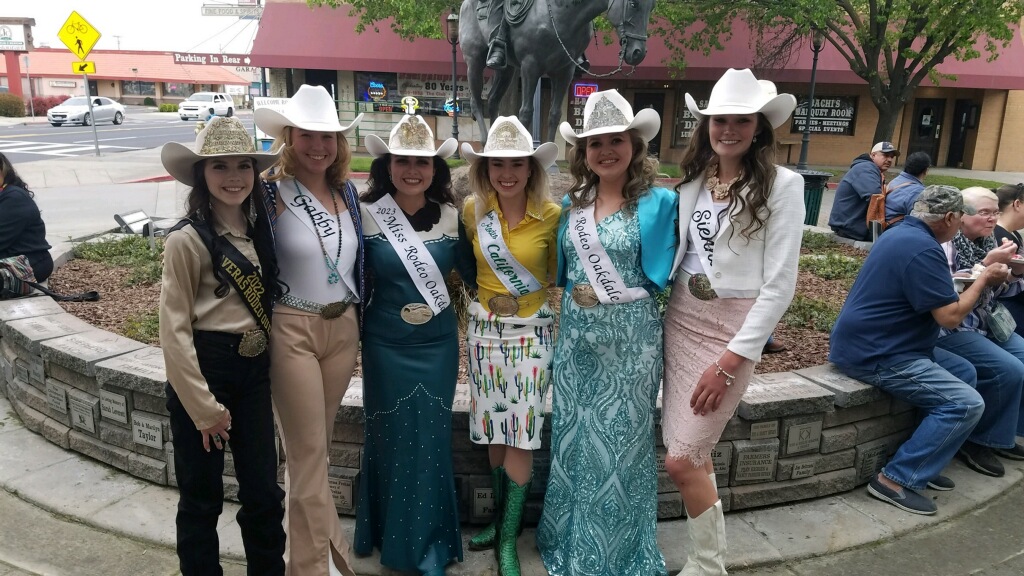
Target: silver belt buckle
584, 296
416, 314
503, 305
252, 344
333, 310
700, 286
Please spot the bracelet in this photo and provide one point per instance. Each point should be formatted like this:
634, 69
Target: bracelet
729, 378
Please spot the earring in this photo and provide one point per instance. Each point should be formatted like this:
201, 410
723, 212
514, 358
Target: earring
755, 139
252, 210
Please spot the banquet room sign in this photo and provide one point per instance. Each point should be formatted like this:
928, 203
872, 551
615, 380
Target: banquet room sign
829, 115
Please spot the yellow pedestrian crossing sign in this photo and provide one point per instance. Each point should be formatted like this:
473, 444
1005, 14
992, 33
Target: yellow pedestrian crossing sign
83, 67
78, 35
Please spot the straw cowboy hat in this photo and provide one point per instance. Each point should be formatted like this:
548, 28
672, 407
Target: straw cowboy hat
607, 112
220, 137
738, 92
508, 138
311, 108
410, 137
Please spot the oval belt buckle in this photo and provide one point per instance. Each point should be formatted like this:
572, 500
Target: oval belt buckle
417, 314
333, 310
503, 305
700, 286
584, 296
252, 344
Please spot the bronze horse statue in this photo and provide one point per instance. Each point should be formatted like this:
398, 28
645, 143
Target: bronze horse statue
547, 41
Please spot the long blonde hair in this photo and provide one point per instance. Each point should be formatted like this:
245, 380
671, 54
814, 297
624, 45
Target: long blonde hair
640, 174
337, 172
538, 189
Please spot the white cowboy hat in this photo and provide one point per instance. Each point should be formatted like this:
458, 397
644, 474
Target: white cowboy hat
220, 137
410, 137
508, 138
738, 92
311, 108
607, 112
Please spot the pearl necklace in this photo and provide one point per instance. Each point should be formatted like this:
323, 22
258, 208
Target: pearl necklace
719, 190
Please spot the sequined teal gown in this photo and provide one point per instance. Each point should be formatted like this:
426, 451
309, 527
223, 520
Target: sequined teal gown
600, 507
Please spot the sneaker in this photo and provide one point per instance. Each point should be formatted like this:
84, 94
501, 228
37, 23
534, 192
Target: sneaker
981, 459
904, 498
941, 483
1015, 453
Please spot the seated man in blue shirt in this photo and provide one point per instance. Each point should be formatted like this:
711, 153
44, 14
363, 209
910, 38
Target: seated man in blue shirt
903, 189
865, 177
885, 336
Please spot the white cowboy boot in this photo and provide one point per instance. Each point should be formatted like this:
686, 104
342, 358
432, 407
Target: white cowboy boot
707, 543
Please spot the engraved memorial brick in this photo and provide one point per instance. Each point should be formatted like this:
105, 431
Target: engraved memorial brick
754, 460
29, 332
21, 370
81, 352
870, 458
56, 396
113, 407
28, 307
141, 370
849, 392
764, 430
85, 410
821, 463
147, 430
783, 394
721, 458
801, 434
342, 481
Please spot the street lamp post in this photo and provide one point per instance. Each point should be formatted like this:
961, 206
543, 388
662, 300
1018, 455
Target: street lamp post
452, 24
31, 104
817, 44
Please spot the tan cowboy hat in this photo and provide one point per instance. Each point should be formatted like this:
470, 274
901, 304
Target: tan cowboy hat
738, 92
410, 137
508, 138
311, 108
220, 137
607, 112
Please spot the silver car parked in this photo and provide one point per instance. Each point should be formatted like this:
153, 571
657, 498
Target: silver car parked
76, 111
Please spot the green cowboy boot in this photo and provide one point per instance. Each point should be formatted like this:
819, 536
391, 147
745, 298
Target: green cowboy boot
488, 536
510, 527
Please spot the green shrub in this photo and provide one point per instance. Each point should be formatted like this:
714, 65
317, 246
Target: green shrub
129, 251
168, 107
12, 106
817, 241
149, 101
144, 327
811, 313
832, 266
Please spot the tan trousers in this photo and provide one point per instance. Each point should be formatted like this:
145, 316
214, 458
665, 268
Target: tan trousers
311, 363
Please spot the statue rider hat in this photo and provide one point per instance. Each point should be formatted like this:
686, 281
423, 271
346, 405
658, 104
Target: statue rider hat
608, 112
508, 138
311, 108
739, 92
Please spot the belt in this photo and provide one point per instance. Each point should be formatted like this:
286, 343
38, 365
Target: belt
699, 285
248, 344
326, 311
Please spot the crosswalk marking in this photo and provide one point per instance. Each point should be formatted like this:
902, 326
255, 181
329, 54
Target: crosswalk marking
55, 149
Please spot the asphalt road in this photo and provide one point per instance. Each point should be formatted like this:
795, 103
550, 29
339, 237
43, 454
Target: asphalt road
141, 129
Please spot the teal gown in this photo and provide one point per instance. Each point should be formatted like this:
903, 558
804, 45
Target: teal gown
600, 507
407, 503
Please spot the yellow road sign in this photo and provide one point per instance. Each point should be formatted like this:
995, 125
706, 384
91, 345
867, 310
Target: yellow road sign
83, 67
78, 35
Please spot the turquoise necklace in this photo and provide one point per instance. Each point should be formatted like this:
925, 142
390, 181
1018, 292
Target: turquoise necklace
333, 276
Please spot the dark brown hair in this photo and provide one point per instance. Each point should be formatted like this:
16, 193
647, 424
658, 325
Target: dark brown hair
10, 176
379, 183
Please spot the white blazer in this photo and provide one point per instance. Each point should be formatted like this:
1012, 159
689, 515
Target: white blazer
763, 267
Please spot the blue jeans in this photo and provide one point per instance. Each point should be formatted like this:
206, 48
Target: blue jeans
943, 391
1000, 367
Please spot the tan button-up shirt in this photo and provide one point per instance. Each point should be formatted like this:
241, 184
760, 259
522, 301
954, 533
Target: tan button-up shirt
187, 303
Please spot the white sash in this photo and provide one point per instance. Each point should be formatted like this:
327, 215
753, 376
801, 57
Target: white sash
418, 262
308, 210
512, 275
703, 228
607, 283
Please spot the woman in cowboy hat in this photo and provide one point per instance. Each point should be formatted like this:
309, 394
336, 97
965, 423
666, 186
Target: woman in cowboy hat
615, 244
740, 219
407, 503
219, 281
316, 330
512, 224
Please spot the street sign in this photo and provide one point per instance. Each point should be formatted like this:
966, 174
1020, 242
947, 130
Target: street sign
83, 67
209, 59
241, 11
78, 35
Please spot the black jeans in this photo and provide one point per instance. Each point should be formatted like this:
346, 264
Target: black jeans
242, 385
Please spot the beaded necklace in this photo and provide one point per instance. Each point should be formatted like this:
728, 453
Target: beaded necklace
333, 276
719, 190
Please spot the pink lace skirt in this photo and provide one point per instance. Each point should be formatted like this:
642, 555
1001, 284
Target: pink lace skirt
696, 334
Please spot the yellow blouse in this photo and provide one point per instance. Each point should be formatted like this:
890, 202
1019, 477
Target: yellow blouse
532, 242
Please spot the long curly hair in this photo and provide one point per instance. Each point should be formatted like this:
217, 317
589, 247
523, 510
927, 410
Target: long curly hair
640, 174
198, 209
337, 172
379, 183
758, 172
9, 176
538, 189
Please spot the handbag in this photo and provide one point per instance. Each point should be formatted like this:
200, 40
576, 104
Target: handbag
1001, 323
17, 280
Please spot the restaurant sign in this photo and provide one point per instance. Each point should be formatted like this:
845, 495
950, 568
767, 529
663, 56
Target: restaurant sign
829, 115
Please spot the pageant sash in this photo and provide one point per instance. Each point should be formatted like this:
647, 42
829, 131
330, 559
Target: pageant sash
704, 228
418, 262
605, 279
512, 275
322, 223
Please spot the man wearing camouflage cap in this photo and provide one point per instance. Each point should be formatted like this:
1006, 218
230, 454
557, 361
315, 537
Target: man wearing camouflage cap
885, 336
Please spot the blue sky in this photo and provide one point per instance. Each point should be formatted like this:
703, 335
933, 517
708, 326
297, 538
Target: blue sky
176, 25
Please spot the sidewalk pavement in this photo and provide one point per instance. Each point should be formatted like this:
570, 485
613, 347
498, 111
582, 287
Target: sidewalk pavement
133, 517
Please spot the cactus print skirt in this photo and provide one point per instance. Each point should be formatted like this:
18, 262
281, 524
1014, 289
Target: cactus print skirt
509, 372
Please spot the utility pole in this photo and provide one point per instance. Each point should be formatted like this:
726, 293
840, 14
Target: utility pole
118, 41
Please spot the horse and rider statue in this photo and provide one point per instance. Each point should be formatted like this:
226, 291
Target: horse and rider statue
541, 38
